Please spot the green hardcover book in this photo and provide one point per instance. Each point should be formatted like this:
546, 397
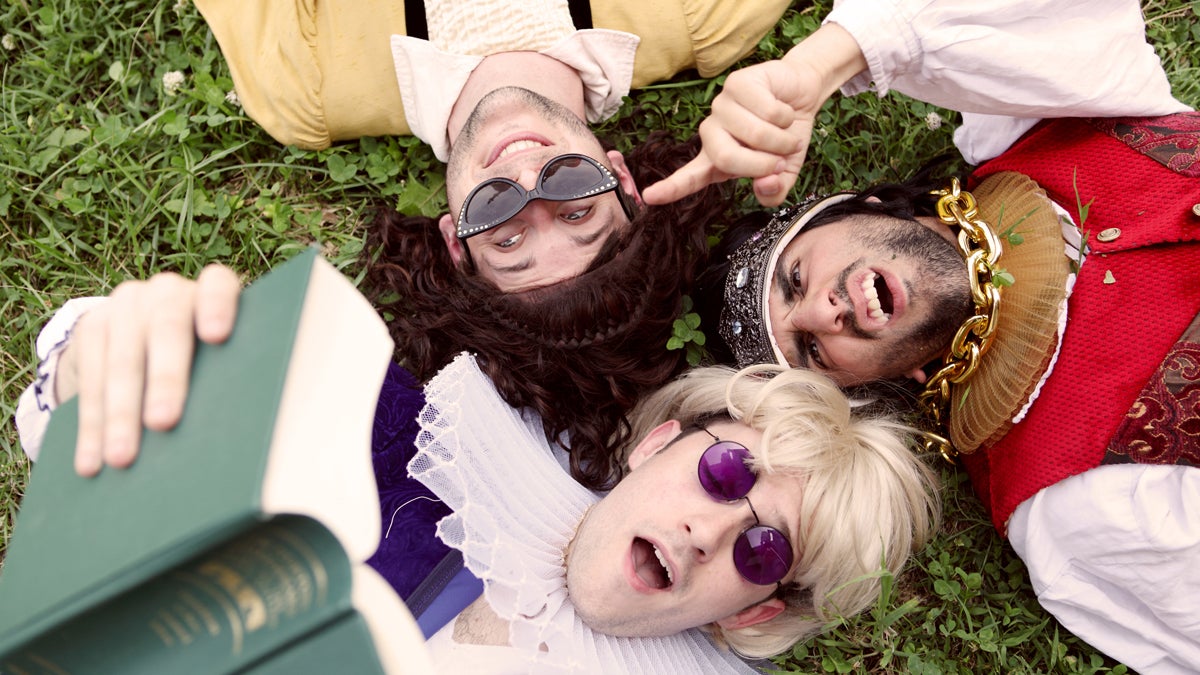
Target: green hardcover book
237, 540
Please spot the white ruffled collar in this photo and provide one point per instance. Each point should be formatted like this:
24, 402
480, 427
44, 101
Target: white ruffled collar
515, 511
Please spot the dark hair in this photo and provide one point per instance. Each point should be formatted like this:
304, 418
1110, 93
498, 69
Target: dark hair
580, 352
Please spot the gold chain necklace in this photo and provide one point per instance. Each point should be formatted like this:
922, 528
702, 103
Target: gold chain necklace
981, 250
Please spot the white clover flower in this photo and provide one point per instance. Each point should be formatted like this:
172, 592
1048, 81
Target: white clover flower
172, 81
231, 98
933, 121
8, 42
180, 6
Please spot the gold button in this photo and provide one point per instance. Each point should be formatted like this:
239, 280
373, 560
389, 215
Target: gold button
1109, 234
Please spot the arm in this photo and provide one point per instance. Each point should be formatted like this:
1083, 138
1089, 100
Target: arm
1028, 58
1005, 63
39, 399
762, 120
129, 358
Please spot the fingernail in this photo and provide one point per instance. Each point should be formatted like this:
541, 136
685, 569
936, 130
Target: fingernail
87, 460
118, 450
780, 166
768, 191
161, 415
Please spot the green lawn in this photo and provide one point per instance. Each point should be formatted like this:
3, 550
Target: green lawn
108, 175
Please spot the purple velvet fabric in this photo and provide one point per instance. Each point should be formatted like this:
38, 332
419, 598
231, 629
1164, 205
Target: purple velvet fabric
409, 548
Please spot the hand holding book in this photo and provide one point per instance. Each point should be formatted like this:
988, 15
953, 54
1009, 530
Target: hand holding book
129, 359
238, 542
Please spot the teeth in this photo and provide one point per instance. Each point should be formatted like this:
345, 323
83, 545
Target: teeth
663, 561
517, 146
874, 308
868, 288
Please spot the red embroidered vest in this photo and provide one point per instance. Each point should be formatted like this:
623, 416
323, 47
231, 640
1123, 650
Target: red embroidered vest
1134, 297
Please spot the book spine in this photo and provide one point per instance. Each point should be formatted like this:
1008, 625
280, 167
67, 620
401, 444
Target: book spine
219, 612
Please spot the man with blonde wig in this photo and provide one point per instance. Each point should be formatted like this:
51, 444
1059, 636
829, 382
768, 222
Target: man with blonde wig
757, 506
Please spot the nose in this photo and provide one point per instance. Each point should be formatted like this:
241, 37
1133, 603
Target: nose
821, 313
537, 213
711, 531
528, 177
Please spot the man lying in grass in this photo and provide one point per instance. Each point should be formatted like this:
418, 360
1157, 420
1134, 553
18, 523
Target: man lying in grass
756, 505
1016, 302
501, 92
546, 246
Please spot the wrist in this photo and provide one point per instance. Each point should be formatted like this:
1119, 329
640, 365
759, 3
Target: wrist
832, 54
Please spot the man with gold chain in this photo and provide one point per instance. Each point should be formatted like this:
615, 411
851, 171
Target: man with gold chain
1061, 363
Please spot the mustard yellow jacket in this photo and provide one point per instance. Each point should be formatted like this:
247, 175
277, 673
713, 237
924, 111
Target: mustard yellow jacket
316, 71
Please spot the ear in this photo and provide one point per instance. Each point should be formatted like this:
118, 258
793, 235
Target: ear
624, 176
764, 611
656, 440
453, 243
916, 374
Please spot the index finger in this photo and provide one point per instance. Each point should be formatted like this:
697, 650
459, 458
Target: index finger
688, 179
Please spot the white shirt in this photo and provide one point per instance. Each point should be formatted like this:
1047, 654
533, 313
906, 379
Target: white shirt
432, 73
39, 399
1006, 64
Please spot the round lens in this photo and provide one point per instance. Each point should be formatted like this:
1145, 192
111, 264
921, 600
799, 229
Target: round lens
493, 202
571, 178
723, 472
762, 555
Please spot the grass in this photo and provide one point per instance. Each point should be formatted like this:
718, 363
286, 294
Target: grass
107, 176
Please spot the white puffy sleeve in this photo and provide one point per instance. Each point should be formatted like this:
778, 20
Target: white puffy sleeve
38, 400
1006, 64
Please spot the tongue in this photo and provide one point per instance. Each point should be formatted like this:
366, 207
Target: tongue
646, 564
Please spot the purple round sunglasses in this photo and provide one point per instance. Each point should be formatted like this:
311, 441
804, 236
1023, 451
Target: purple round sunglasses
761, 554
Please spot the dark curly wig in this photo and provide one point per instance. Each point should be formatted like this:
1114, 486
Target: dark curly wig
580, 352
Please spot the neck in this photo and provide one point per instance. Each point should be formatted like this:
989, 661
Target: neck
938, 226
566, 554
529, 70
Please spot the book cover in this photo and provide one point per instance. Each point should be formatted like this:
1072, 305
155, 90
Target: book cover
277, 421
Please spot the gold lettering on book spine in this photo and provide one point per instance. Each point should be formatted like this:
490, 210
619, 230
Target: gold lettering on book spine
254, 583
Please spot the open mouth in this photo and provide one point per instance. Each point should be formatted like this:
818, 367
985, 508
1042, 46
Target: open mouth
650, 565
880, 303
518, 146
516, 143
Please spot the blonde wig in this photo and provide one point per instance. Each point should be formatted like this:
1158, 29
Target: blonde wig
868, 500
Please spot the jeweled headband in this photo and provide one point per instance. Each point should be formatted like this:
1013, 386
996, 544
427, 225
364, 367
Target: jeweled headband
746, 318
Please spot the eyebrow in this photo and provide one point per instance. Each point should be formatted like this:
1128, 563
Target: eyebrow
782, 281
605, 228
589, 239
580, 240
514, 268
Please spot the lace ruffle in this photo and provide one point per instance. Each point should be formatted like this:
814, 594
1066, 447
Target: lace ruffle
515, 511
